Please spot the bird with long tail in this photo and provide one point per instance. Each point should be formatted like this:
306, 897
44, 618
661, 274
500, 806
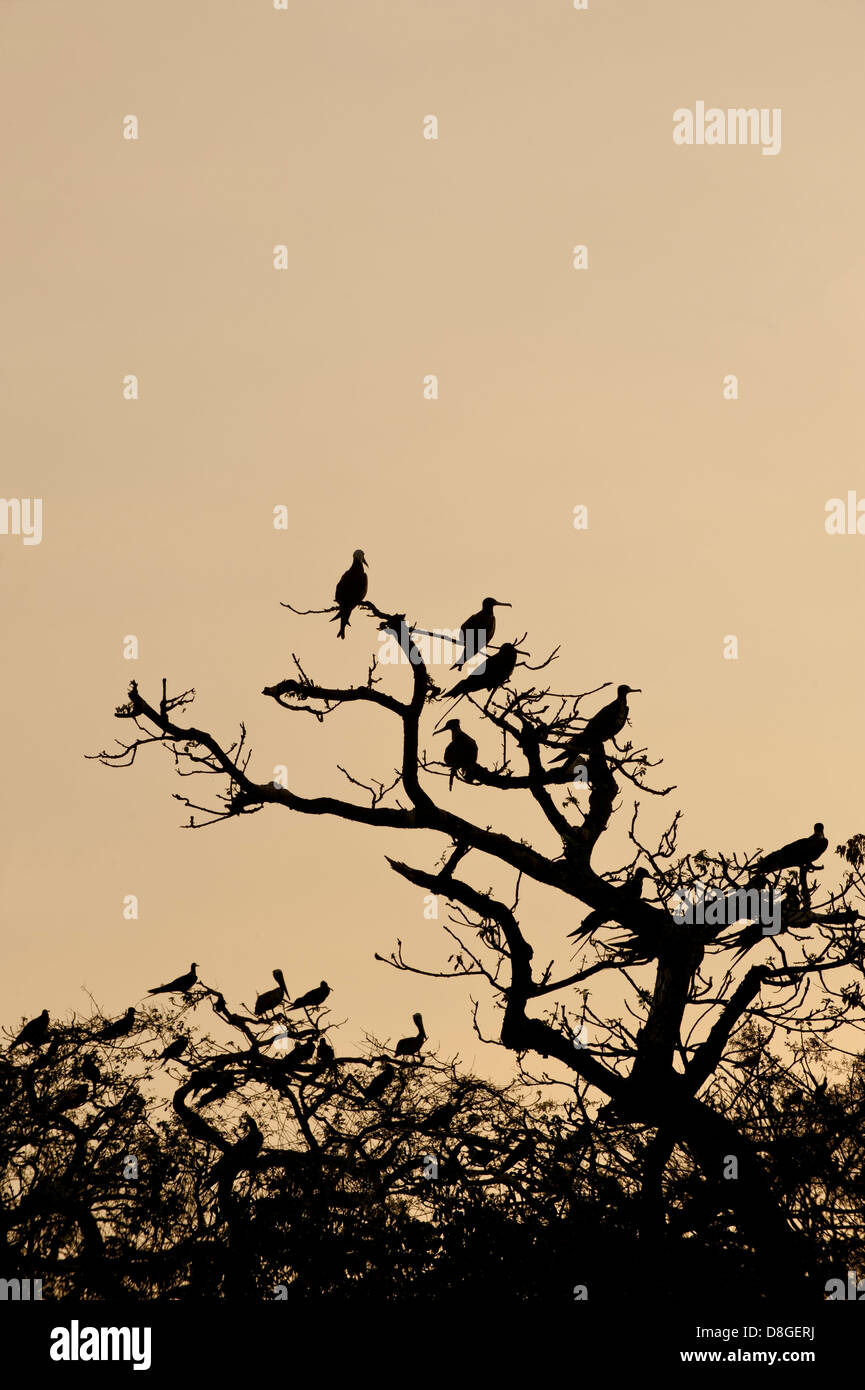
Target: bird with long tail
461, 754
182, 985
477, 631
350, 591
496, 671
606, 724
632, 889
799, 854
118, 1028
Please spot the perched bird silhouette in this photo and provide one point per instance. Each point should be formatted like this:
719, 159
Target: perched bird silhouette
181, 985
792, 915
299, 1055
90, 1070
632, 889
241, 1155
218, 1091
409, 1047
477, 631
606, 724
33, 1034
749, 936
326, 1054
350, 591
272, 997
441, 1117
379, 1084
119, 1028
313, 999
72, 1097
799, 854
174, 1050
461, 754
495, 671
205, 1078
522, 1150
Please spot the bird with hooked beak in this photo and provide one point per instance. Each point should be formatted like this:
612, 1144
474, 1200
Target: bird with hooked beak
118, 1028
606, 724
461, 754
477, 631
799, 854
495, 671
350, 591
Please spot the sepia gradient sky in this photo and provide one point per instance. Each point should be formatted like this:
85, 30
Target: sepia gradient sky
303, 387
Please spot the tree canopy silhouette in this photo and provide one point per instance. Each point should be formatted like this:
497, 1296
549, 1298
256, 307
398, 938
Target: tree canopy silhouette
659, 1071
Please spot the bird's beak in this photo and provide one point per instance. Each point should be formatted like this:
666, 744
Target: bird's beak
441, 731
634, 690
500, 604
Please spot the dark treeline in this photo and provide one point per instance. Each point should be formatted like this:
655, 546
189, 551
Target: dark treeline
272, 1167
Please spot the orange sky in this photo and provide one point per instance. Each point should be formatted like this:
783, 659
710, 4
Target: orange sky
304, 388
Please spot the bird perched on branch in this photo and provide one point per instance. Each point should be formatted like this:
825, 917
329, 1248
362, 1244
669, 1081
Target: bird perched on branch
181, 985
516, 1155
799, 854
441, 1117
792, 914
313, 999
207, 1077
632, 889
379, 1084
299, 1055
748, 937
90, 1070
119, 1028
218, 1091
350, 591
241, 1155
409, 1047
606, 724
33, 1034
271, 997
174, 1050
477, 631
461, 754
71, 1098
495, 671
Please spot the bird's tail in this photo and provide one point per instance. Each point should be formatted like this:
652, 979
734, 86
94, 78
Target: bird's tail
586, 927
571, 754
342, 618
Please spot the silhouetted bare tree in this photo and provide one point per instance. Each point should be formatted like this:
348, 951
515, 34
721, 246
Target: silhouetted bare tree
649, 1072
